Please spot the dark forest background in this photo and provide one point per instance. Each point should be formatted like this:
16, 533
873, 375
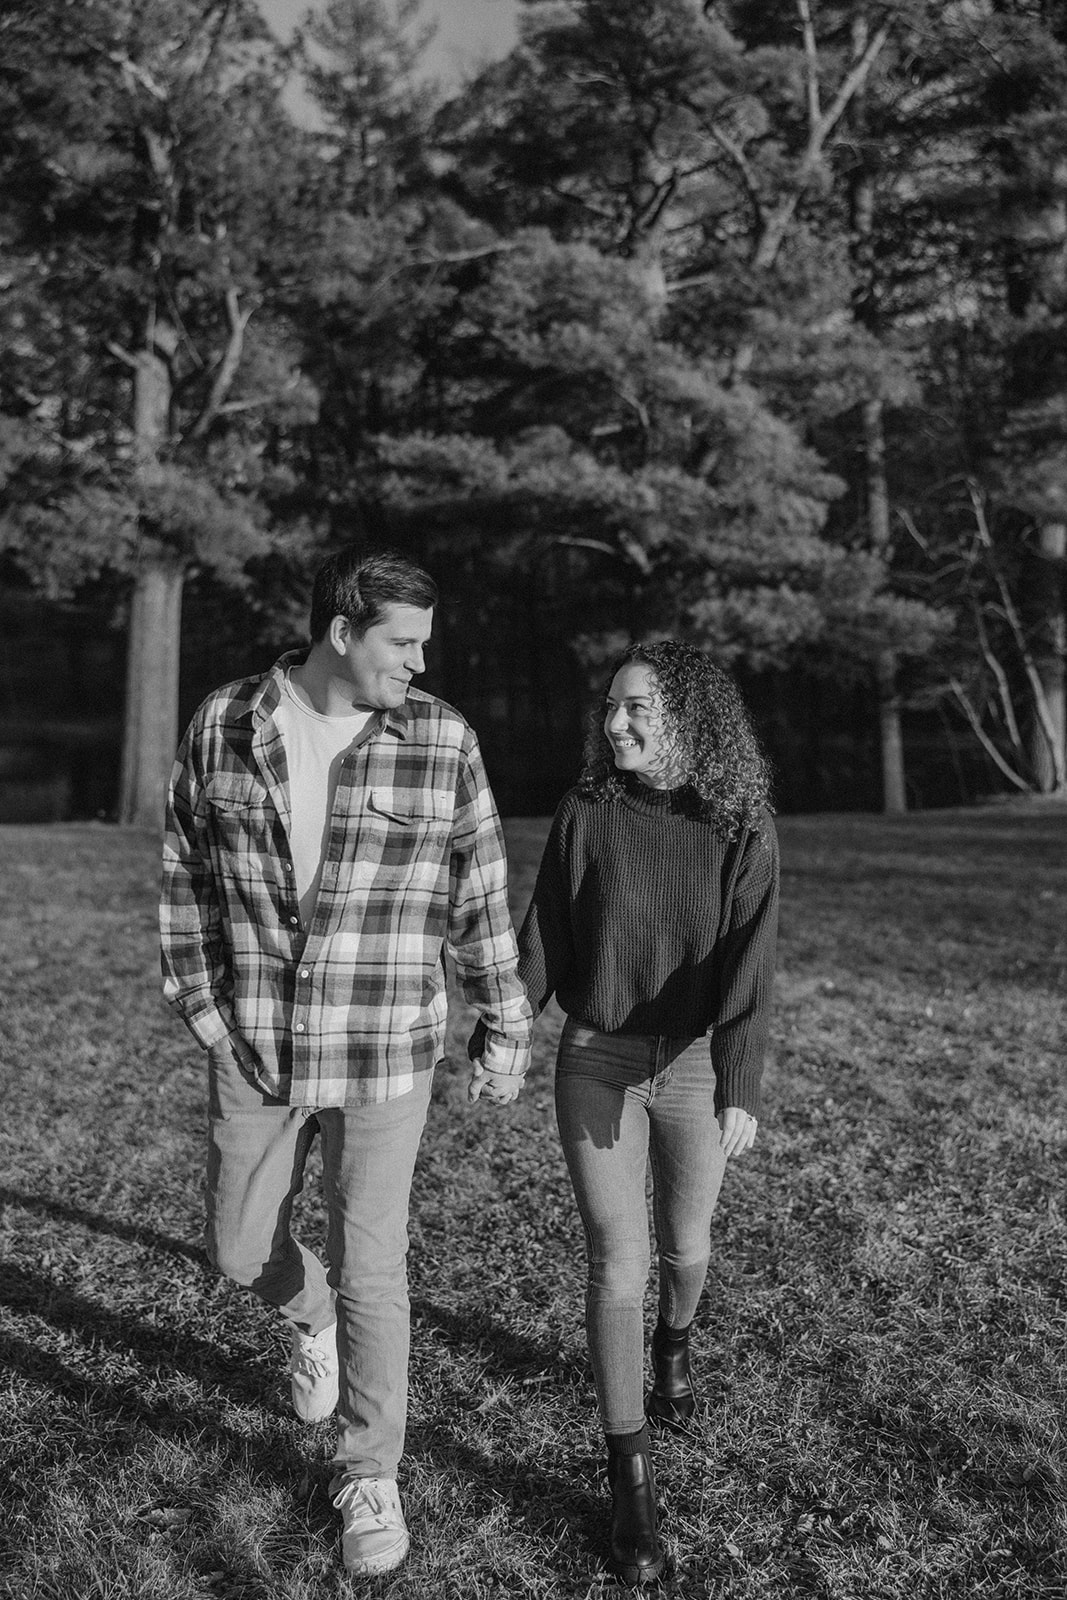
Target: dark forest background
741, 322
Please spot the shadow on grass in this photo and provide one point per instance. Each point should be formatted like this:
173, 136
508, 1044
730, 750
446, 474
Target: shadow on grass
27, 1293
569, 1504
135, 1233
508, 1353
113, 1416
569, 1510
565, 1506
559, 1503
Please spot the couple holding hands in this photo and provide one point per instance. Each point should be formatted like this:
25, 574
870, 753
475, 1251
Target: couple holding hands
329, 831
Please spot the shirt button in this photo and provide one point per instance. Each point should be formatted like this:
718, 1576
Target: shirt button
288, 866
299, 1027
295, 921
305, 972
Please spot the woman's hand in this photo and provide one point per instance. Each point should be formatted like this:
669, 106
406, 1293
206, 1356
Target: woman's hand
738, 1131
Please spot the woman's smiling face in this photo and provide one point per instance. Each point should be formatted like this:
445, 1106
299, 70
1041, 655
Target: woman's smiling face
636, 727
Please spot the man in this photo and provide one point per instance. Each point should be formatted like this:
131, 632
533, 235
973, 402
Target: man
329, 830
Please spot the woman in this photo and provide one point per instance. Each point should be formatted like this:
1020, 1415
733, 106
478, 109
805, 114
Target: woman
653, 922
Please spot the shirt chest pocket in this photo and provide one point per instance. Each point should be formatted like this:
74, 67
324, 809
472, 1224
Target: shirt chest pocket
240, 809
404, 837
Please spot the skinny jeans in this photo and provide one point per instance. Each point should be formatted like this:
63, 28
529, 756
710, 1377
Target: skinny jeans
624, 1103
257, 1152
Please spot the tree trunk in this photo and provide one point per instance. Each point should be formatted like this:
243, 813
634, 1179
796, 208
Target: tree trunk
1050, 644
865, 310
894, 796
150, 734
150, 730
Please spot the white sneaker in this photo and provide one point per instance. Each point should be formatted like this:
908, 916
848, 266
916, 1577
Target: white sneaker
313, 1370
375, 1537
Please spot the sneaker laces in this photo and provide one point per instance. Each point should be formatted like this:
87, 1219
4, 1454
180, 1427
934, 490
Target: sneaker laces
367, 1493
315, 1355
312, 1366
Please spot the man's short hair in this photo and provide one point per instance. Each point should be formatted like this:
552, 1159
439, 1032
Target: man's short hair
359, 585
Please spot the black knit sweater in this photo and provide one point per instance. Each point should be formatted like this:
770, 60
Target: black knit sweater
646, 919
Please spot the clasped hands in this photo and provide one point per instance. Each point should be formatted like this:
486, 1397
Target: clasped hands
499, 1088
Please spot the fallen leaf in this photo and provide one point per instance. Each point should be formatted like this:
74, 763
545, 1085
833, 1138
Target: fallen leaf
168, 1517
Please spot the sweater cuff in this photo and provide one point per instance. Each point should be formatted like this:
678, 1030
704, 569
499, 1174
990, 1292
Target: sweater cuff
737, 1084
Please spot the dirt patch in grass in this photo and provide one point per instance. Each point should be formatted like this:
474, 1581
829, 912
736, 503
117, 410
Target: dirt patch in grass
881, 1347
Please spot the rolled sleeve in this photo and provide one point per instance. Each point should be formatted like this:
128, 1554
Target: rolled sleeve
480, 934
196, 972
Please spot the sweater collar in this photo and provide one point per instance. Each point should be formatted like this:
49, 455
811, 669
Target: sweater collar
653, 802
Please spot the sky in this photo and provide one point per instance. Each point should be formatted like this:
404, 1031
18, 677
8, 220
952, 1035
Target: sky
469, 32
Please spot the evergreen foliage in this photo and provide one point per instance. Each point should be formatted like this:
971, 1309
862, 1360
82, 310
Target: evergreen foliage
719, 320
151, 183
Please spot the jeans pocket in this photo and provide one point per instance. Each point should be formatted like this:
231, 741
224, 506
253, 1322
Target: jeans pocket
232, 1089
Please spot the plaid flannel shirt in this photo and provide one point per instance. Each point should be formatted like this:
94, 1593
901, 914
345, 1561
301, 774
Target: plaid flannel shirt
347, 1009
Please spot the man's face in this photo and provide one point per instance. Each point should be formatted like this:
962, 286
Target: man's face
382, 664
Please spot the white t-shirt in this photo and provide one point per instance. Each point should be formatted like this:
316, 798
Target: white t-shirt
315, 746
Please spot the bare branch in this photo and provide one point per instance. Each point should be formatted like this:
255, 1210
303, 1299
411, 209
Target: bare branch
975, 722
853, 82
222, 17
774, 234
811, 58
133, 70
655, 208
638, 407
627, 548
232, 407
227, 369
731, 148
697, 281
121, 354
448, 258
777, 223
1000, 677
451, 256
159, 158
912, 529
1022, 644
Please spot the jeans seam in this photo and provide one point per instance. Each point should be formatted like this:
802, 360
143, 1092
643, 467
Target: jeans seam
661, 1075
656, 1205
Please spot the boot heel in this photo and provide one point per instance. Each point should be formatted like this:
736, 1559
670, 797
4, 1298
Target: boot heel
636, 1554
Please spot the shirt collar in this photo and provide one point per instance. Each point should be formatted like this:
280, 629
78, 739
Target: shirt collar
266, 700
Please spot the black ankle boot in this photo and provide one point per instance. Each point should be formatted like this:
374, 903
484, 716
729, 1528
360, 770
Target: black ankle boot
672, 1402
636, 1553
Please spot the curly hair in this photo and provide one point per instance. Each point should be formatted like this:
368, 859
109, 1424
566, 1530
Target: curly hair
711, 737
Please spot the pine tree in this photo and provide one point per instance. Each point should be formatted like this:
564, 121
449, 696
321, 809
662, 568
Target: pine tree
1026, 91
975, 250
149, 205
659, 136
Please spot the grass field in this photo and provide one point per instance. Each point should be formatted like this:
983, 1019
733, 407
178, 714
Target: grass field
881, 1346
